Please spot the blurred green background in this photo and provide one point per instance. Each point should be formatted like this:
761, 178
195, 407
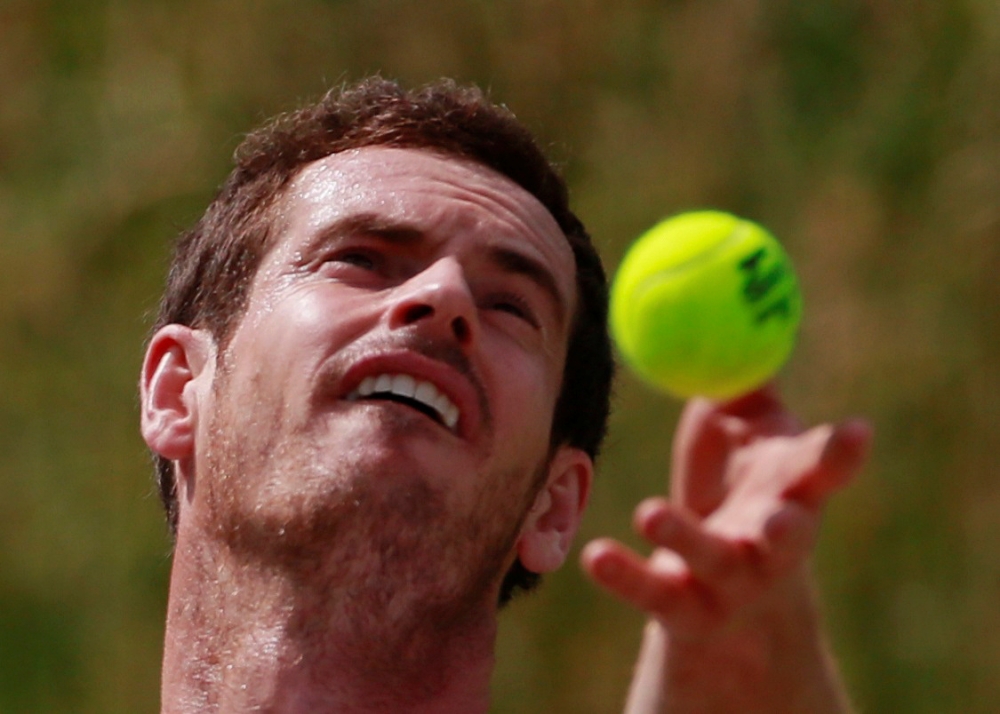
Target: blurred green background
866, 134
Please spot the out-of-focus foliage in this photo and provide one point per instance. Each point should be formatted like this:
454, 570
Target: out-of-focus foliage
865, 133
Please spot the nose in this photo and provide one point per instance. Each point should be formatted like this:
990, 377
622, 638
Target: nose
440, 301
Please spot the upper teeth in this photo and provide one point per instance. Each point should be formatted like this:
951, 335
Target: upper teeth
406, 386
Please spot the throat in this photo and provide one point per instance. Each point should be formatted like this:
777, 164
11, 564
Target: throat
268, 644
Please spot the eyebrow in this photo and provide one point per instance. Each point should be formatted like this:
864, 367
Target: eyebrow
370, 224
398, 232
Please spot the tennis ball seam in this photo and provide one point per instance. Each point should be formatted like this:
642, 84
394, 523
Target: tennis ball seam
739, 231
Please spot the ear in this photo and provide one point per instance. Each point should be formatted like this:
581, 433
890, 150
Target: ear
548, 531
176, 356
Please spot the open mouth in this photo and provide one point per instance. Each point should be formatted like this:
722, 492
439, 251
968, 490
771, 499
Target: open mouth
416, 393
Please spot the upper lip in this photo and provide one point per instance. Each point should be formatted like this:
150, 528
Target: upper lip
452, 395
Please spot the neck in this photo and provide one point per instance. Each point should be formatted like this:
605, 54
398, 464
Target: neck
251, 637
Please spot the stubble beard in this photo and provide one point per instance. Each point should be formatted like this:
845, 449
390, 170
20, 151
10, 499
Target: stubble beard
388, 579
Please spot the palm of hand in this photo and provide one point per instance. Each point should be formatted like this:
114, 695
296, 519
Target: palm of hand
732, 542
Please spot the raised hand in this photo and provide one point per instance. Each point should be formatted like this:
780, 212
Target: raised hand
727, 582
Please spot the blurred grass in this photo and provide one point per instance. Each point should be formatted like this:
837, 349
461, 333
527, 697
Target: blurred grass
865, 134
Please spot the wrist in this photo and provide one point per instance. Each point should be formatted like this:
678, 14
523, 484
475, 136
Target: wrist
774, 659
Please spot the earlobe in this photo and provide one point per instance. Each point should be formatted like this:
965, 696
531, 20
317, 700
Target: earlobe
552, 522
176, 357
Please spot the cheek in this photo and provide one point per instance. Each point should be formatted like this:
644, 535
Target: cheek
311, 312
526, 387
300, 327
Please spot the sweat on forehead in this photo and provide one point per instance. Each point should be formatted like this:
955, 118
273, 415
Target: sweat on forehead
386, 180
344, 169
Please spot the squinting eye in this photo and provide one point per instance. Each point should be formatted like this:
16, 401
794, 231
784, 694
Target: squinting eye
514, 305
359, 259
353, 264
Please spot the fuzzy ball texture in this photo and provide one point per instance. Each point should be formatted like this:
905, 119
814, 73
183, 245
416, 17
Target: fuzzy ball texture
706, 303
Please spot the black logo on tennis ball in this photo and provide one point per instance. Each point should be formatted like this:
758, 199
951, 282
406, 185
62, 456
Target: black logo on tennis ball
760, 278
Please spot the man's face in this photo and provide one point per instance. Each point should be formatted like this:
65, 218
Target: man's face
393, 381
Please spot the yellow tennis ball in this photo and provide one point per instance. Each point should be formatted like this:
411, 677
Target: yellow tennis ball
705, 303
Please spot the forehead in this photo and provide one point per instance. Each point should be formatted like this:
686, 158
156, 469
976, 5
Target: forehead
445, 197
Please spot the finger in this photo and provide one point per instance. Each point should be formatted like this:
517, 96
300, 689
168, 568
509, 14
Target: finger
760, 402
789, 536
763, 412
785, 541
848, 447
701, 449
627, 575
709, 557
840, 453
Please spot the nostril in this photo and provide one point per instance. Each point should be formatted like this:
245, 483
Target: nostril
417, 312
461, 329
